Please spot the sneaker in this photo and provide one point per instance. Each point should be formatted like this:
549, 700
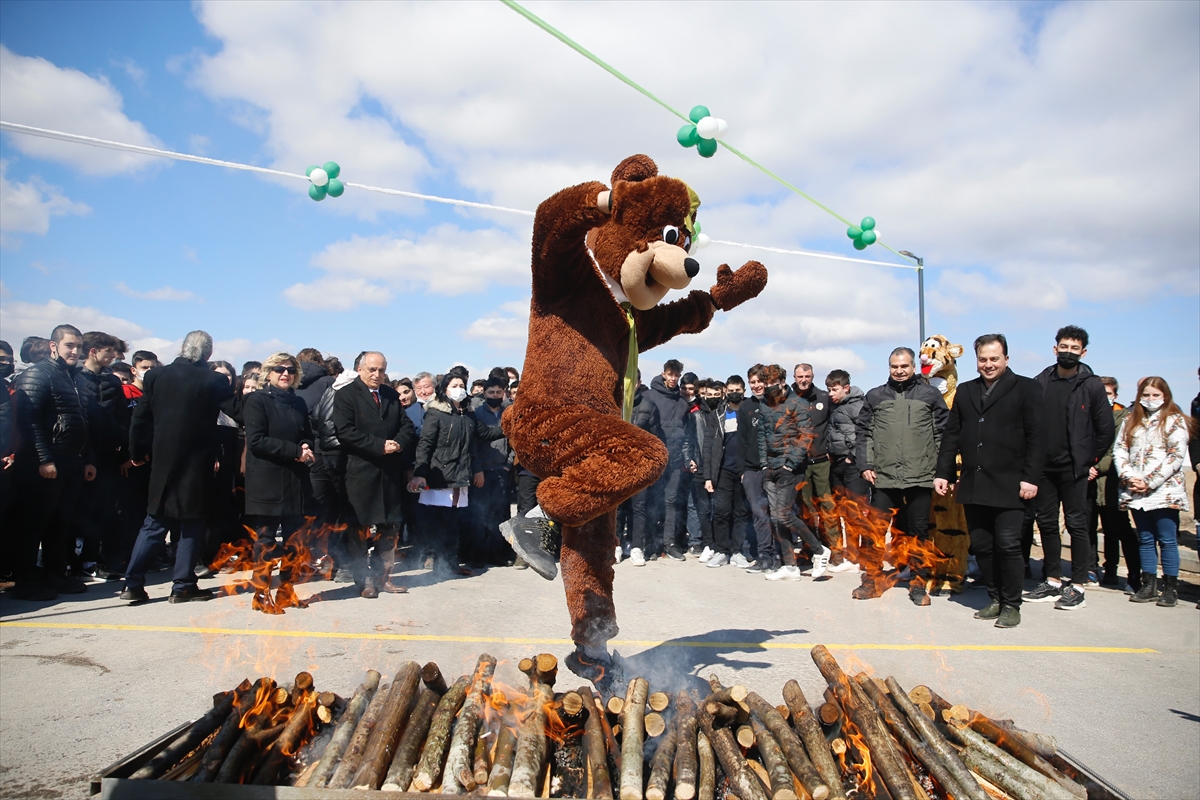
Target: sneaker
845, 566
135, 597
671, 551
740, 561
1072, 598
696, 550
1010, 617
526, 535
784, 574
191, 594
917, 593
1046, 592
717, 560
706, 554
636, 558
653, 556
760, 566
990, 612
820, 563
618, 555
1093, 580
1129, 590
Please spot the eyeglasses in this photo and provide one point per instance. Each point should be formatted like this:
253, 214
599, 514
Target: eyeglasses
281, 370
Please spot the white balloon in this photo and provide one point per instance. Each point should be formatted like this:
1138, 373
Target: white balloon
319, 177
707, 127
702, 241
722, 129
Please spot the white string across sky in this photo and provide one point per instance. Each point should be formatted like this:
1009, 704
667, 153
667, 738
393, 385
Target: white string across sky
91, 141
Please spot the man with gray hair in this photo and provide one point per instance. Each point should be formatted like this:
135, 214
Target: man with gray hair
898, 432
174, 428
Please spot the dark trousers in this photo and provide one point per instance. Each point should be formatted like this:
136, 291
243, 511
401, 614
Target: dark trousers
1120, 537
1055, 488
333, 506
445, 528
729, 513
996, 545
912, 505
817, 493
625, 523
702, 501
527, 484
646, 512
189, 533
46, 513
274, 541
132, 491
372, 551
96, 519
760, 511
671, 514
489, 508
853, 492
781, 497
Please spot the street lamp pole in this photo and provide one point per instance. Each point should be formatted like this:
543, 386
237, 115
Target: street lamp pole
920, 289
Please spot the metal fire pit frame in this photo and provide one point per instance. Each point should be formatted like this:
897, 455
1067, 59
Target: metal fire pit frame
114, 783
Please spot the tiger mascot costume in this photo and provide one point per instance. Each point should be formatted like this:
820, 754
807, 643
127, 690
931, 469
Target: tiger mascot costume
946, 518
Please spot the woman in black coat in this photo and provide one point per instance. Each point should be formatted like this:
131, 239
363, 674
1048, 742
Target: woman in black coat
279, 450
447, 453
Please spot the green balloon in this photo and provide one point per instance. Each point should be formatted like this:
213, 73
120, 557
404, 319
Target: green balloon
867, 223
859, 244
317, 192
854, 232
687, 136
707, 147
335, 187
308, 172
698, 113
333, 170
868, 237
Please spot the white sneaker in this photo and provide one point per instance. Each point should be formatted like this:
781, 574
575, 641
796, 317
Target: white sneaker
784, 573
846, 566
706, 555
636, 558
740, 561
619, 554
717, 560
821, 562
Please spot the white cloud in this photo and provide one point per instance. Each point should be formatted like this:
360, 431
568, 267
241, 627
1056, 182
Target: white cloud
444, 260
38, 93
506, 329
164, 293
132, 69
28, 207
19, 319
237, 351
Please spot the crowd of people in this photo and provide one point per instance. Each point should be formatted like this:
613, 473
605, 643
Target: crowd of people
298, 465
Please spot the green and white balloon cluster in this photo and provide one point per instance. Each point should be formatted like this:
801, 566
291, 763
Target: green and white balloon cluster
703, 132
325, 181
863, 235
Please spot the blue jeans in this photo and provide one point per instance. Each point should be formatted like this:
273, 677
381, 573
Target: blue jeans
1159, 526
150, 540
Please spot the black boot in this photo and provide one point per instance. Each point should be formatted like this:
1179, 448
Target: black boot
1170, 591
1148, 593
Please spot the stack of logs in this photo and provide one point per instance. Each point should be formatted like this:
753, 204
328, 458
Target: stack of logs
869, 739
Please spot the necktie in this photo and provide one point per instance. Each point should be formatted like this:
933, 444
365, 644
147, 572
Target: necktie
375, 394
630, 366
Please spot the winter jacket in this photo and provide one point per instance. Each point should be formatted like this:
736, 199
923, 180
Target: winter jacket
1194, 442
1089, 420
645, 413
108, 416
1001, 438
314, 380
672, 414
495, 454
749, 419
175, 426
1156, 459
784, 433
816, 406
1107, 480
451, 438
8, 419
321, 415
714, 449
375, 481
277, 485
898, 432
52, 409
701, 422
840, 431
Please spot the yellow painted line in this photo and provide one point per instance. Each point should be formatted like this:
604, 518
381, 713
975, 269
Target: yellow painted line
425, 637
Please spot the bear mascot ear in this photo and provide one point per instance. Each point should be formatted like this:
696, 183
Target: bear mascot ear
635, 168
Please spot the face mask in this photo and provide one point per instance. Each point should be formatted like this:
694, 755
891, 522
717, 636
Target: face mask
6, 370
424, 400
773, 394
1068, 360
735, 397
1151, 405
713, 402
1112, 401
494, 402
457, 394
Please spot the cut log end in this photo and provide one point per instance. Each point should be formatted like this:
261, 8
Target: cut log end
658, 701
615, 705
572, 704
304, 682
655, 724
830, 713
745, 736
920, 694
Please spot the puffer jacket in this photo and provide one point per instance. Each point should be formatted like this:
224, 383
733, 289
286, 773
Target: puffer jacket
840, 432
8, 420
52, 411
321, 415
645, 413
672, 414
108, 415
1089, 418
451, 438
898, 433
314, 380
701, 422
1156, 459
784, 434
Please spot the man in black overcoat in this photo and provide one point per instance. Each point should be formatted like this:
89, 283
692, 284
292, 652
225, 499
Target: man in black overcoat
174, 427
997, 425
374, 432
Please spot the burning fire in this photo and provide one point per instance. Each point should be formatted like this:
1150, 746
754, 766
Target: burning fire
868, 542
303, 557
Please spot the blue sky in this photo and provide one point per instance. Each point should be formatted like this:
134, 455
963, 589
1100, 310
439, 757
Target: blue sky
1045, 160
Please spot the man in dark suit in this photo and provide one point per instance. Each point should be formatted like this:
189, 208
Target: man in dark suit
997, 425
374, 431
174, 427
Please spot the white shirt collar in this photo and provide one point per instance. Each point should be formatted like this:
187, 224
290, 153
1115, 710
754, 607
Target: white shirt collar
617, 292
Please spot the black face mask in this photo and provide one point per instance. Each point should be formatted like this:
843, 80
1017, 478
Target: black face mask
735, 397
713, 402
773, 395
1068, 360
6, 370
494, 402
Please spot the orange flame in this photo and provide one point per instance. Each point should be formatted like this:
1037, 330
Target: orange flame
867, 541
855, 762
303, 557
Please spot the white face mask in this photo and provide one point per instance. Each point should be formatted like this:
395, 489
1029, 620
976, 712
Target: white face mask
457, 394
1112, 401
1151, 405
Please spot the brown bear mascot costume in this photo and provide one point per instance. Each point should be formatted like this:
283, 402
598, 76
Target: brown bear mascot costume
602, 261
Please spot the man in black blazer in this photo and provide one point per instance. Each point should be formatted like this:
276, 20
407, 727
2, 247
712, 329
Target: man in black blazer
997, 425
374, 432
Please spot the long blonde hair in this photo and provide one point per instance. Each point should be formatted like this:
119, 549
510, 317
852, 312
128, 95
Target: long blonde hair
278, 360
1137, 414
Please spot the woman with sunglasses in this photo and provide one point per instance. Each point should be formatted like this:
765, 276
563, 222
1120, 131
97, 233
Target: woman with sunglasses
279, 450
